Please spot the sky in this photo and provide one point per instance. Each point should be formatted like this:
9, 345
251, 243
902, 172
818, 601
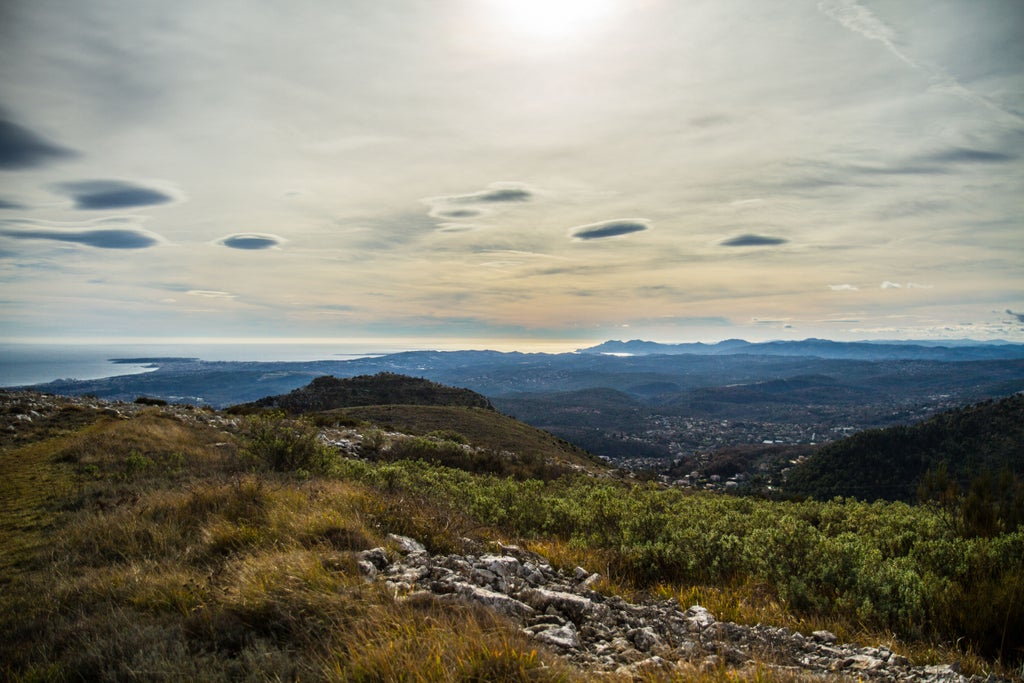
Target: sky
527, 172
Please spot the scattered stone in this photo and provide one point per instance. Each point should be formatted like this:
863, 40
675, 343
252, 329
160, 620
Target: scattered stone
644, 668
608, 635
406, 544
563, 636
644, 639
710, 663
499, 602
865, 663
699, 617
378, 557
573, 606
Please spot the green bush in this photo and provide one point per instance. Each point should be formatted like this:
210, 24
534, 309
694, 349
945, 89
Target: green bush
885, 566
286, 445
447, 435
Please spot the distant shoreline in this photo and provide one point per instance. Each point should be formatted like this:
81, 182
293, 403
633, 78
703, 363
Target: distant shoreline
165, 359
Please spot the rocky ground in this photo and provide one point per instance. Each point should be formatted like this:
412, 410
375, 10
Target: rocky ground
606, 634
24, 413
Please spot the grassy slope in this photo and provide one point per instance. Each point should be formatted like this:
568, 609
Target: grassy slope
167, 556
168, 560
485, 428
32, 487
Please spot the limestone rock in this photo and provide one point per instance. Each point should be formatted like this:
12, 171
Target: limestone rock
378, 557
406, 544
563, 636
699, 617
499, 602
608, 635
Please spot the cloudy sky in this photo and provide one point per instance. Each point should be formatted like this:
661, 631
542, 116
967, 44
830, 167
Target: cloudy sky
513, 170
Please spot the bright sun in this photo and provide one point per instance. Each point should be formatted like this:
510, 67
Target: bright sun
549, 20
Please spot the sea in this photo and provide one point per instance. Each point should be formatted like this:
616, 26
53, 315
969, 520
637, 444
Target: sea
27, 364
23, 364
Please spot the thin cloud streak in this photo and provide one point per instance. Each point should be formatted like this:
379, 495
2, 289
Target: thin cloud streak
862, 20
751, 240
99, 238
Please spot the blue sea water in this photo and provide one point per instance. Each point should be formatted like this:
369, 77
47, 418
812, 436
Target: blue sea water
26, 364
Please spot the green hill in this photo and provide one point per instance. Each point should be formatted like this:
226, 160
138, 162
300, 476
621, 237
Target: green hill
487, 430
980, 440
453, 427
385, 388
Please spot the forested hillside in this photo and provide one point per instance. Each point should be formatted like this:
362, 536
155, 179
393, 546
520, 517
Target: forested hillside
975, 446
385, 388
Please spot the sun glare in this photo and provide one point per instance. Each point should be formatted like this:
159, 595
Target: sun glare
548, 20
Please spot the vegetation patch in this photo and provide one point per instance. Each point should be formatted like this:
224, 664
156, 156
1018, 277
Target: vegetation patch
165, 544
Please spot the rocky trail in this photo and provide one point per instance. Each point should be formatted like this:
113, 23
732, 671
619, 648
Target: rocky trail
608, 635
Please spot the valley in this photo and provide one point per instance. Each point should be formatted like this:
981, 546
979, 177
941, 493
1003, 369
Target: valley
732, 416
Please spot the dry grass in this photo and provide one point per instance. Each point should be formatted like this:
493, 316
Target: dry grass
146, 549
32, 486
150, 553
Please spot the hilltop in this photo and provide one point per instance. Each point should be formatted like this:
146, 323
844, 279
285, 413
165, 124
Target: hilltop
458, 427
384, 388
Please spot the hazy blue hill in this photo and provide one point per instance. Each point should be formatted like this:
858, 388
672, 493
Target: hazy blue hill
587, 407
820, 348
890, 463
639, 347
211, 383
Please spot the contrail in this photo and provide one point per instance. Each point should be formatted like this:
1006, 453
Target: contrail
862, 20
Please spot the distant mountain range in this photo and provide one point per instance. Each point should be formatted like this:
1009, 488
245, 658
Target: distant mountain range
648, 400
958, 350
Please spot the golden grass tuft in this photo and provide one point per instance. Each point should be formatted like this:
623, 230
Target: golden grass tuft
427, 640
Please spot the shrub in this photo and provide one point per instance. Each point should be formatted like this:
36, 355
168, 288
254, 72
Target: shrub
286, 445
448, 435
